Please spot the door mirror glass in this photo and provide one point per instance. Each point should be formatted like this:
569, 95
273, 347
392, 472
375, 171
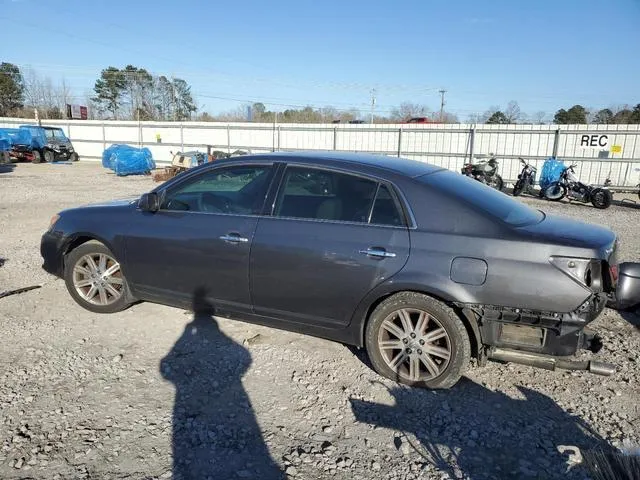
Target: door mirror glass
149, 202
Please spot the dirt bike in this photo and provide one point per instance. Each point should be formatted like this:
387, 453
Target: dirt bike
526, 179
485, 171
569, 186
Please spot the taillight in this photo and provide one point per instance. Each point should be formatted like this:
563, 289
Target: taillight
613, 271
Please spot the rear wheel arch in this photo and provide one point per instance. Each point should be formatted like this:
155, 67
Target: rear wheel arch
469, 320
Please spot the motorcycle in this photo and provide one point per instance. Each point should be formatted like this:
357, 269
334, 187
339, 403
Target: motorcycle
526, 179
569, 186
485, 171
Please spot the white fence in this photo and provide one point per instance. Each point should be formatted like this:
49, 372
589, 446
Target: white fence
600, 151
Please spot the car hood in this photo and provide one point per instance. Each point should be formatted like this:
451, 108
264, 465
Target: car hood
112, 203
569, 232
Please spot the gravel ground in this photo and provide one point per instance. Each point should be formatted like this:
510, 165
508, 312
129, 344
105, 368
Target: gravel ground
154, 392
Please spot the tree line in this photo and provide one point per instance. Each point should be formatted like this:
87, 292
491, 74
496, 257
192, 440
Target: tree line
133, 93
577, 114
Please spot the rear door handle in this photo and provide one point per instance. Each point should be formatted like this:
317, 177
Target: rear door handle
234, 238
377, 253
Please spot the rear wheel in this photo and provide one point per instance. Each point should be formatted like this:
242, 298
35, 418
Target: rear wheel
48, 156
416, 340
555, 192
601, 198
95, 280
37, 156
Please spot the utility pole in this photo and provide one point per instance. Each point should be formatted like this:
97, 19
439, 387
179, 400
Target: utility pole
442, 92
373, 102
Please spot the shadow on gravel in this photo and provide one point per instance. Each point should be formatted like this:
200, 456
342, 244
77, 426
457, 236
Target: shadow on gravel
472, 432
633, 317
6, 167
215, 431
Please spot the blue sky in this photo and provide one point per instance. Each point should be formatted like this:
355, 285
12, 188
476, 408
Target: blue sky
544, 54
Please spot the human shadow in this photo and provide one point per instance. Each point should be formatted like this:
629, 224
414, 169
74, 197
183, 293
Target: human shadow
215, 431
472, 432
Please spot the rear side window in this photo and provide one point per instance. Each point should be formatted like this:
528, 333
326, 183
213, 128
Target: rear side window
324, 195
385, 209
475, 194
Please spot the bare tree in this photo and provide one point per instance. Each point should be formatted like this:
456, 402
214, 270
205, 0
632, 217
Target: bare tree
407, 110
538, 117
512, 112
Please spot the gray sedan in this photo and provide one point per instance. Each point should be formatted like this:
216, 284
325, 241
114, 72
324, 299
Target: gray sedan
422, 266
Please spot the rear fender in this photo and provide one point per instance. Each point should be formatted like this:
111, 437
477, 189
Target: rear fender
381, 292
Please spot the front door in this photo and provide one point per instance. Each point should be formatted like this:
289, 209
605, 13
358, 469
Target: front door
332, 238
198, 243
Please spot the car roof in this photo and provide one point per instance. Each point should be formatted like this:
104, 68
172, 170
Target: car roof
398, 165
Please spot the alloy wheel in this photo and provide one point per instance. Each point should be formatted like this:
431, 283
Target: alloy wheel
414, 344
98, 279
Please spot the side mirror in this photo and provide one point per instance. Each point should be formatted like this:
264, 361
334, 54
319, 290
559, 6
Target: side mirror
149, 202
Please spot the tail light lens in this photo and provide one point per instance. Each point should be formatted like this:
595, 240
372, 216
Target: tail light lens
613, 271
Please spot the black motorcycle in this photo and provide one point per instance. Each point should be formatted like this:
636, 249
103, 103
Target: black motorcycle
485, 171
569, 186
526, 179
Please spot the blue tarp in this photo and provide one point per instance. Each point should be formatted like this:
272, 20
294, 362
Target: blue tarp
5, 146
16, 136
551, 170
127, 160
38, 137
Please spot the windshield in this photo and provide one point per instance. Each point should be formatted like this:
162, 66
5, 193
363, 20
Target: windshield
496, 204
55, 133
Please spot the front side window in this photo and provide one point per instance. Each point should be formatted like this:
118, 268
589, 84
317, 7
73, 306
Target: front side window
324, 195
236, 190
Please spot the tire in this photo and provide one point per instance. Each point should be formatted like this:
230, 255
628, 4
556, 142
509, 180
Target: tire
48, 156
518, 188
440, 319
601, 198
76, 274
496, 182
555, 192
37, 156
74, 157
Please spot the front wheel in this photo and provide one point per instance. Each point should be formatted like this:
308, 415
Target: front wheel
416, 340
495, 182
95, 280
555, 192
74, 157
48, 156
518, 188
601, 198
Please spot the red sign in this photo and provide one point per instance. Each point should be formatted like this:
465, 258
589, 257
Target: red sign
77, 112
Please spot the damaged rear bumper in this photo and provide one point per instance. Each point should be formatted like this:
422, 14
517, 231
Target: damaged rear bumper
627, 291
547, 333
538, 338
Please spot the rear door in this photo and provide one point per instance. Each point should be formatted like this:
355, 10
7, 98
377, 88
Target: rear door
333, 236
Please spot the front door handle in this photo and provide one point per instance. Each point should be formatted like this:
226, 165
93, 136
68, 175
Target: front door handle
234, 238
377, 252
